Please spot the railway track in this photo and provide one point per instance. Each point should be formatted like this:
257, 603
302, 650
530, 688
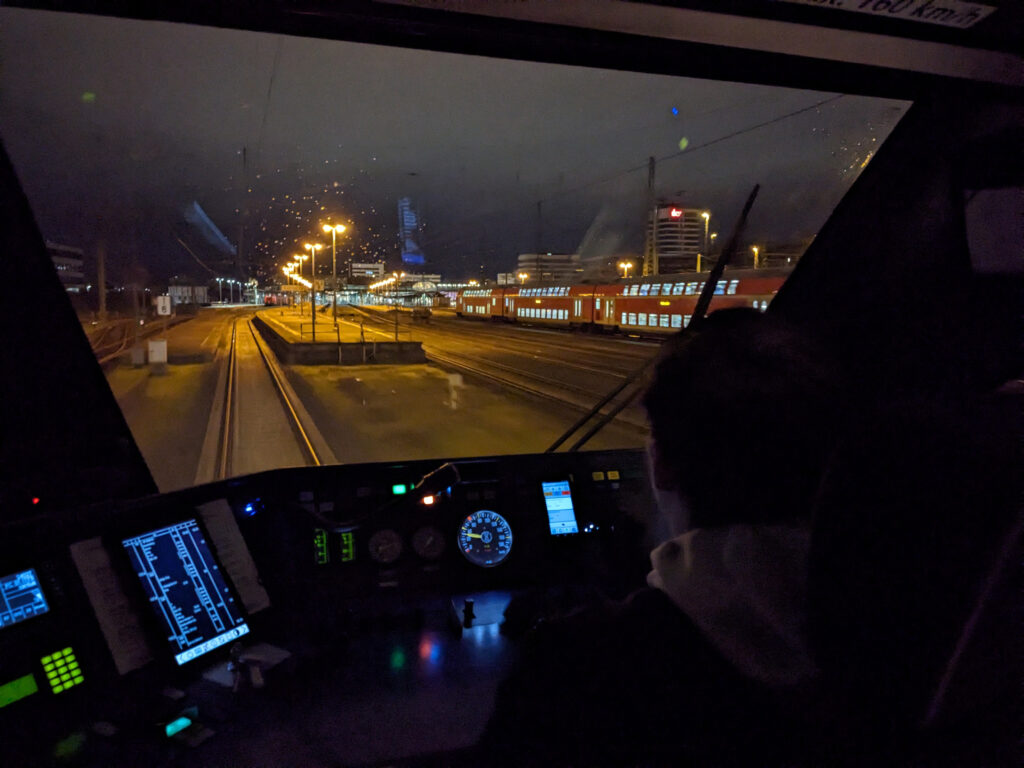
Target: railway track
230, 413
581, 392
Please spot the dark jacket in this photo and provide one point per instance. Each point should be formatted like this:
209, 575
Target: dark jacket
642, 683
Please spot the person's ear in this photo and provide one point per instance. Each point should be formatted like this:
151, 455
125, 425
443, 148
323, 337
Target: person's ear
661, 477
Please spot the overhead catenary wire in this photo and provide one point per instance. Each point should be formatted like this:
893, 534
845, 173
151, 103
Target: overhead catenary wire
699, 313
689, 151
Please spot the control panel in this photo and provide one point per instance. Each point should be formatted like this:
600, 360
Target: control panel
106, 610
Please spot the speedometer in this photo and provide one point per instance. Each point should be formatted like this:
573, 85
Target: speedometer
485, 538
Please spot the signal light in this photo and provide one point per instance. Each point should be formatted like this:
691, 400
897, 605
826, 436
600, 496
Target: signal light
35, 500
428, 500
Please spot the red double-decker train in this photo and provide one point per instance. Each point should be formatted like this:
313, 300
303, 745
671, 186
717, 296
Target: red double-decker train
660, 304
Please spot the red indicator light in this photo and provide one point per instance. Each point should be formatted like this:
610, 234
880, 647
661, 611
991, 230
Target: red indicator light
35, 500
675, 213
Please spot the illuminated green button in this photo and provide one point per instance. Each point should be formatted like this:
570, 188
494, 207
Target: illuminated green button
58, 688
46, 659
67, 651
398, 489
17, 689
47, 667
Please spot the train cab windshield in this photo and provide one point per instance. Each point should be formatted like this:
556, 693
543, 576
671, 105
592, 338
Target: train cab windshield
204, 164
313, 311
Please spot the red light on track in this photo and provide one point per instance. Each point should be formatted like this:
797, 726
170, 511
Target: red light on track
35, 500
675, 213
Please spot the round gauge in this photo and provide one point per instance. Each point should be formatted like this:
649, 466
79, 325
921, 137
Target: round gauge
485, 538
428, 542
385, 546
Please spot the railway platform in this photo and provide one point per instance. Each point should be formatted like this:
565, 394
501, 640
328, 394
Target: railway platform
352, 341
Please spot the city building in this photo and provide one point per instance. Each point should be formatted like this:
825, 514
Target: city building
549, 267
375, 269
69, 263
679, 235
188, 294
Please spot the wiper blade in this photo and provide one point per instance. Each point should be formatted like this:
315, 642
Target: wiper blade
699, 313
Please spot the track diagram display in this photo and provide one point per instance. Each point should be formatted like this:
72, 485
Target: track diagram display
21, 597
186, 588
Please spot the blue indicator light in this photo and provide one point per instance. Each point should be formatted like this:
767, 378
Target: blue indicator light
675, 110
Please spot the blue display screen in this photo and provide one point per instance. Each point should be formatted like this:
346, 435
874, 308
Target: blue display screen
21, 597
561, 515
186, 588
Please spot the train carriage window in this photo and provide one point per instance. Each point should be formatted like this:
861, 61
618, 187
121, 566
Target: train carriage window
686, 320
197, 163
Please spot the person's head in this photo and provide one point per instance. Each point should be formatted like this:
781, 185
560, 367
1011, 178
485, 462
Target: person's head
744, 413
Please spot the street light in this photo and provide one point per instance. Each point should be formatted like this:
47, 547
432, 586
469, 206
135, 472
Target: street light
220, 290
395, 277
756, 251
335, 231
523, 277
625, 266
313, 248
707, 218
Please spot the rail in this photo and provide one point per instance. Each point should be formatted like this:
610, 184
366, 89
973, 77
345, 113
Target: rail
227, 430
528, 383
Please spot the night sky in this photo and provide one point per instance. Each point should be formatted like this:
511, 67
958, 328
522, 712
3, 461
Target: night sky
115, 127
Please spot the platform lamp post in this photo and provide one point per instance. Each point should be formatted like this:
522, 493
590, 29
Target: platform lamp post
313, 248
287, 269
396, 277
707, 218
756, 251
220, 289
625, 266
523, 277
335, 231
300, 258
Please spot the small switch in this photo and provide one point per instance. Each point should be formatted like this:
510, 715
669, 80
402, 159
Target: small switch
597, 475
613, 474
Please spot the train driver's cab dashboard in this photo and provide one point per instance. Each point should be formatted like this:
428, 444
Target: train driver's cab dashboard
365, 613
173, 626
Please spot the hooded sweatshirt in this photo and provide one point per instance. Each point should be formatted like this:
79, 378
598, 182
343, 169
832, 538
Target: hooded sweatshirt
744, 587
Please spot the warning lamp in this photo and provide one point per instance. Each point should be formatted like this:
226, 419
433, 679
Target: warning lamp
675, 213
35, 500
429, 500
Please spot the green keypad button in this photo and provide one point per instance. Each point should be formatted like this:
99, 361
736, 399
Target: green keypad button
62, 670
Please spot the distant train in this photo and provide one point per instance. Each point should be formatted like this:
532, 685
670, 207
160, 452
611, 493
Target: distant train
661, 304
